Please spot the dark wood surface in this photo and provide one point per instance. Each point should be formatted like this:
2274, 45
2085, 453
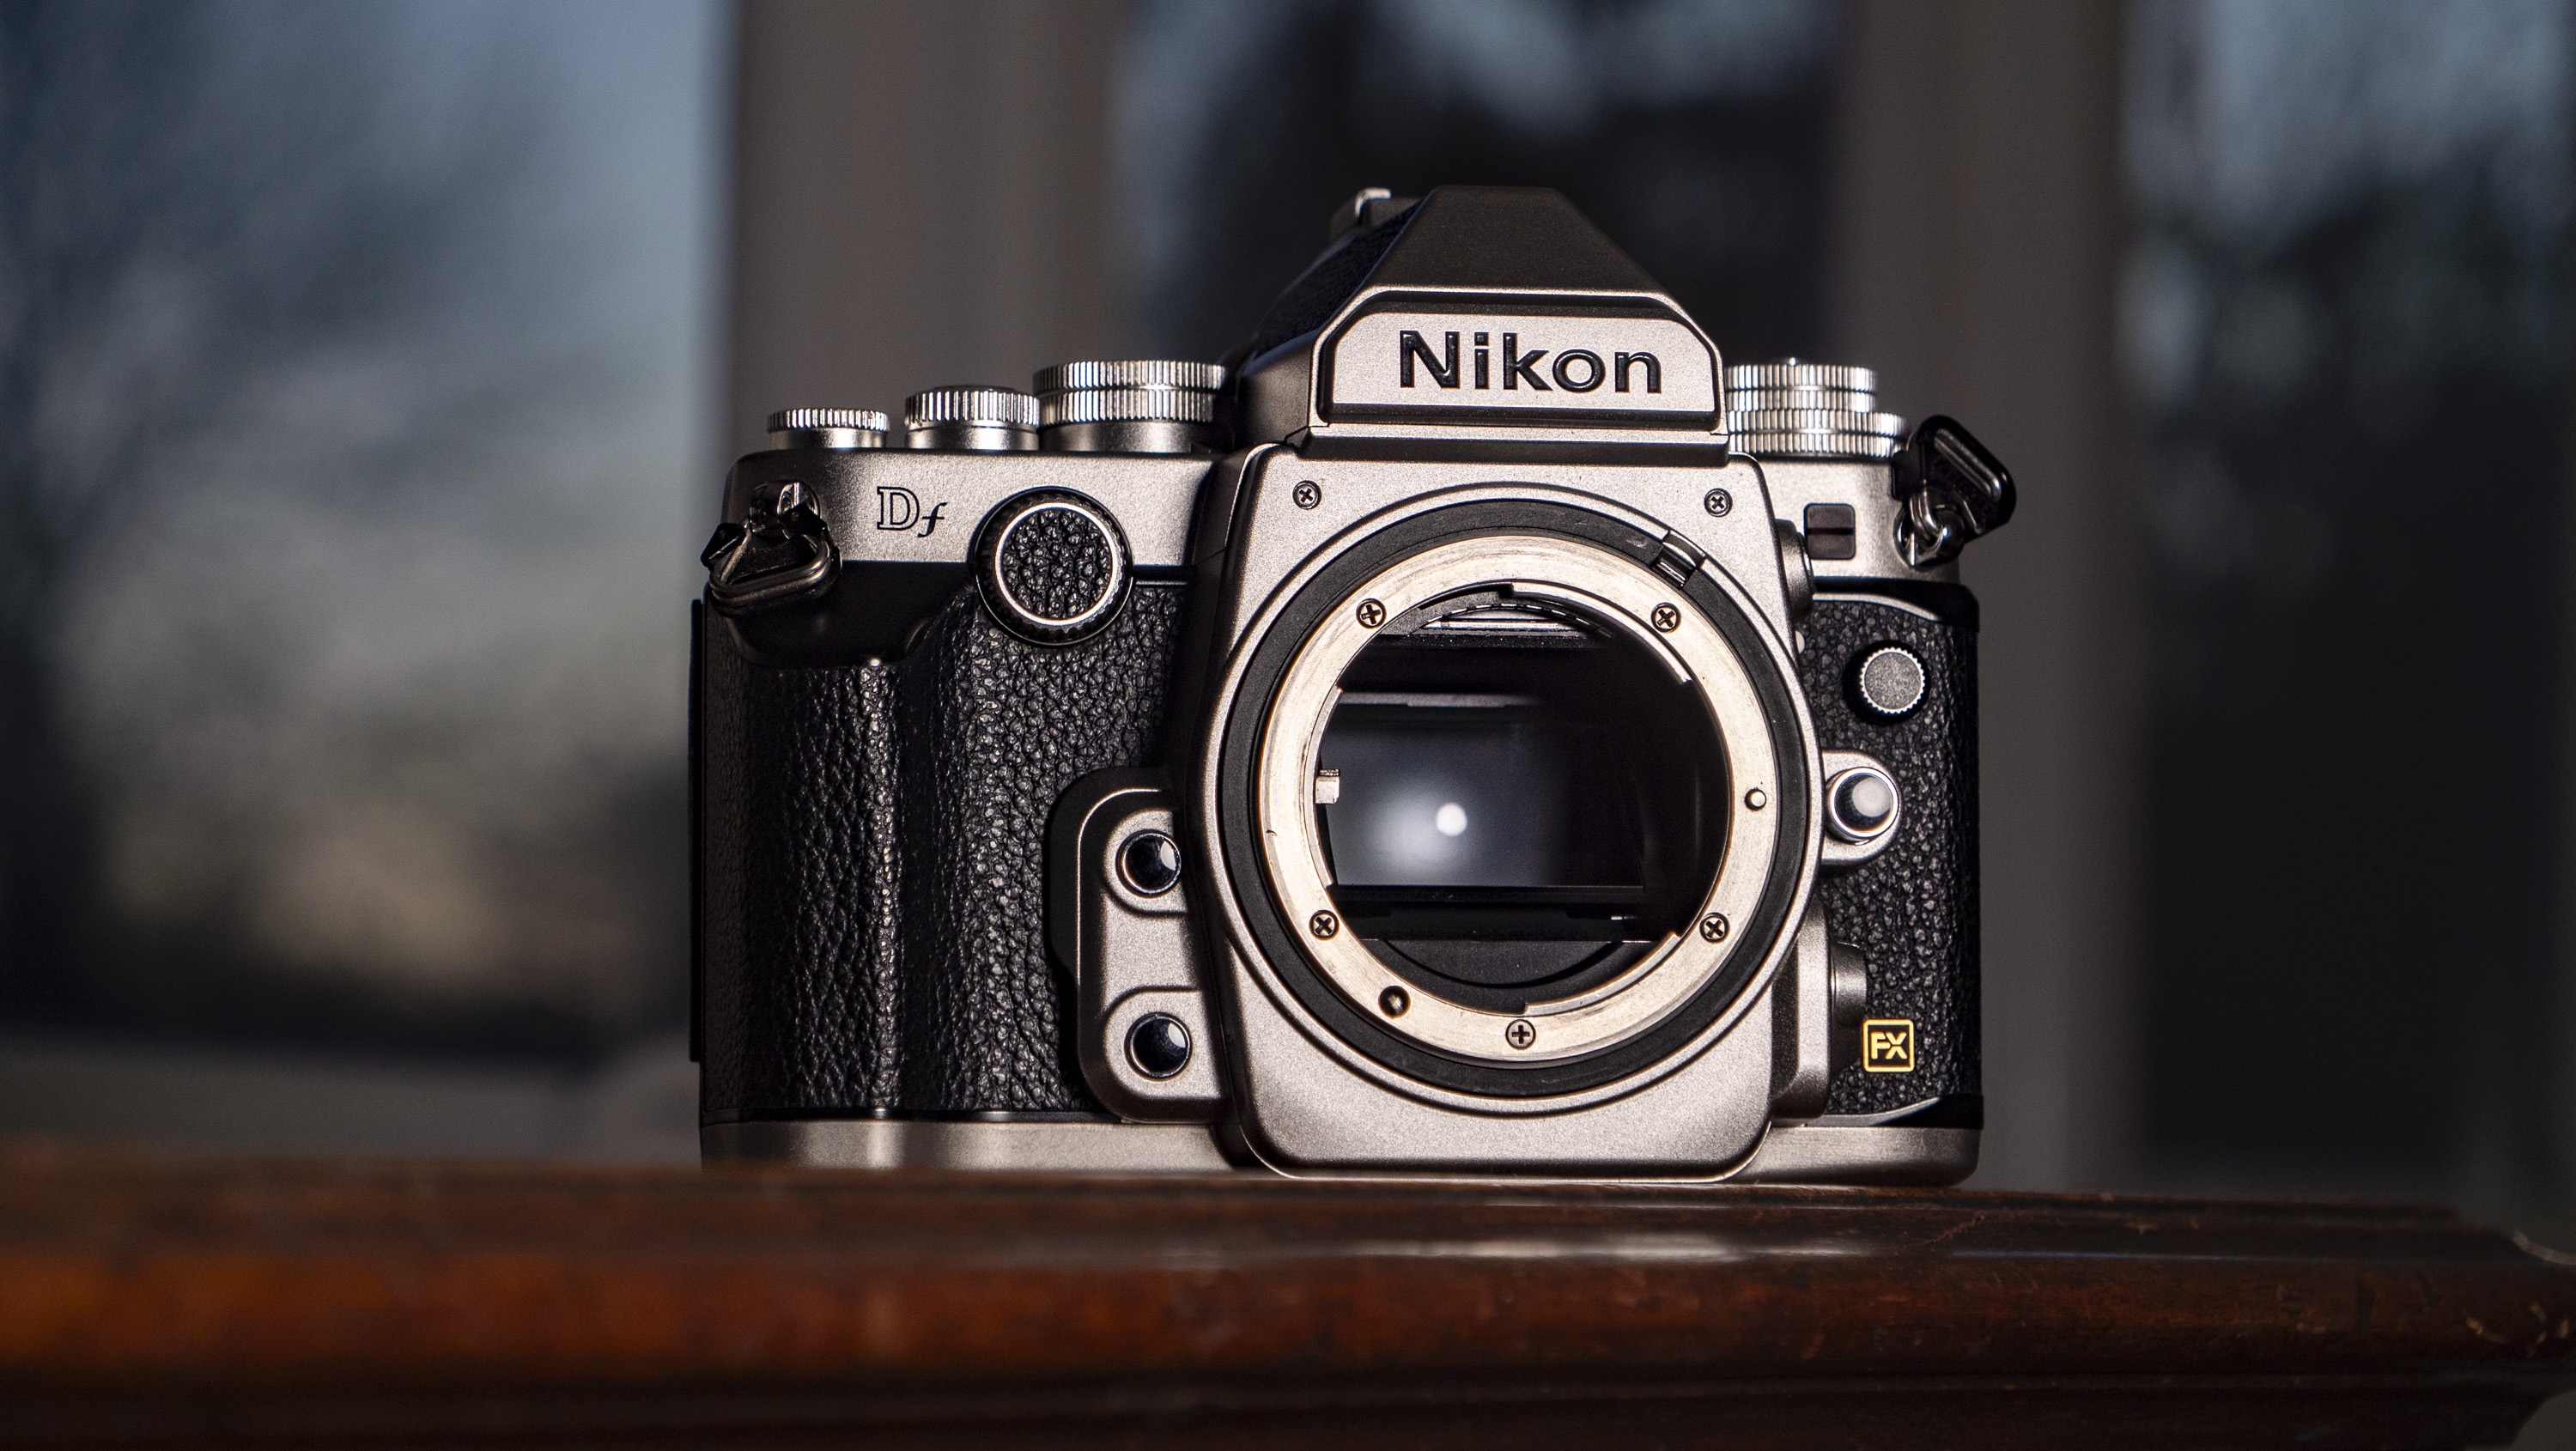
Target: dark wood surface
203, 1302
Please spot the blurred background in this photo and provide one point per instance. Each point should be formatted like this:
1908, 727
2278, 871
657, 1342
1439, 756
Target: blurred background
367, 371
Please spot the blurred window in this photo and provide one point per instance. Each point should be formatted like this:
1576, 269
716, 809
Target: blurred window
1695, 134
352, 363
2345, 325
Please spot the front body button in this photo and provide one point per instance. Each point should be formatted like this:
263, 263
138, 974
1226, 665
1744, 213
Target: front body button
1886, 682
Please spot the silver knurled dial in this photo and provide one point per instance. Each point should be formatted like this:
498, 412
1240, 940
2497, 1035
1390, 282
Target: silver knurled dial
1794, 409
1137, 391
866, 420
975, 407
827, 428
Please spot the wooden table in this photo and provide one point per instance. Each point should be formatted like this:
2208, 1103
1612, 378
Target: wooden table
216, 1302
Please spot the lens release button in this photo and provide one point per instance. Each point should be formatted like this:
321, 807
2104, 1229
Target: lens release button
1860, 804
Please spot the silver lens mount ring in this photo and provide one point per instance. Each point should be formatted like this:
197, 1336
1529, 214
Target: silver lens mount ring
1617, 593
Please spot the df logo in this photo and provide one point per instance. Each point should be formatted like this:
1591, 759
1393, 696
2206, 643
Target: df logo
1887, 1045
901, 509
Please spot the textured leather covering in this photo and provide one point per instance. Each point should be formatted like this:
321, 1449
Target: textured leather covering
1056, 564
874, 863
1912, 911
800, 863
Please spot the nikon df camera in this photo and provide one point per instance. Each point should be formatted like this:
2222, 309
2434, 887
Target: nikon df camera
1471, 730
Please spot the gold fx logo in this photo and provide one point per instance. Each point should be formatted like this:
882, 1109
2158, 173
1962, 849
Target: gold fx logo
1887, 1045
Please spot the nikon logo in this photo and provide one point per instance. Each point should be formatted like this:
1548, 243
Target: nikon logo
1576, 370
1389, 364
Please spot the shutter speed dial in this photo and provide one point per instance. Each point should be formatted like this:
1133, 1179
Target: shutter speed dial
1140, 406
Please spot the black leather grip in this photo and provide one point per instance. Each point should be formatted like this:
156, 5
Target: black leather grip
871, 868
1912, 911
872, 859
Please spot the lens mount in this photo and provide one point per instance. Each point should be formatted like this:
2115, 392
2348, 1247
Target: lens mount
1365, 1036
1612, 592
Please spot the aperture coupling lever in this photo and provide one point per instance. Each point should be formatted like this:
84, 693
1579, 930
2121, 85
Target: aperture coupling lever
1952, 490
780, 553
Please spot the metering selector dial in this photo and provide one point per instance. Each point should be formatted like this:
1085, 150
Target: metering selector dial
1791, 409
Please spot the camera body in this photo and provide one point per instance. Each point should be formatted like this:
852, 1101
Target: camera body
1450, 739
